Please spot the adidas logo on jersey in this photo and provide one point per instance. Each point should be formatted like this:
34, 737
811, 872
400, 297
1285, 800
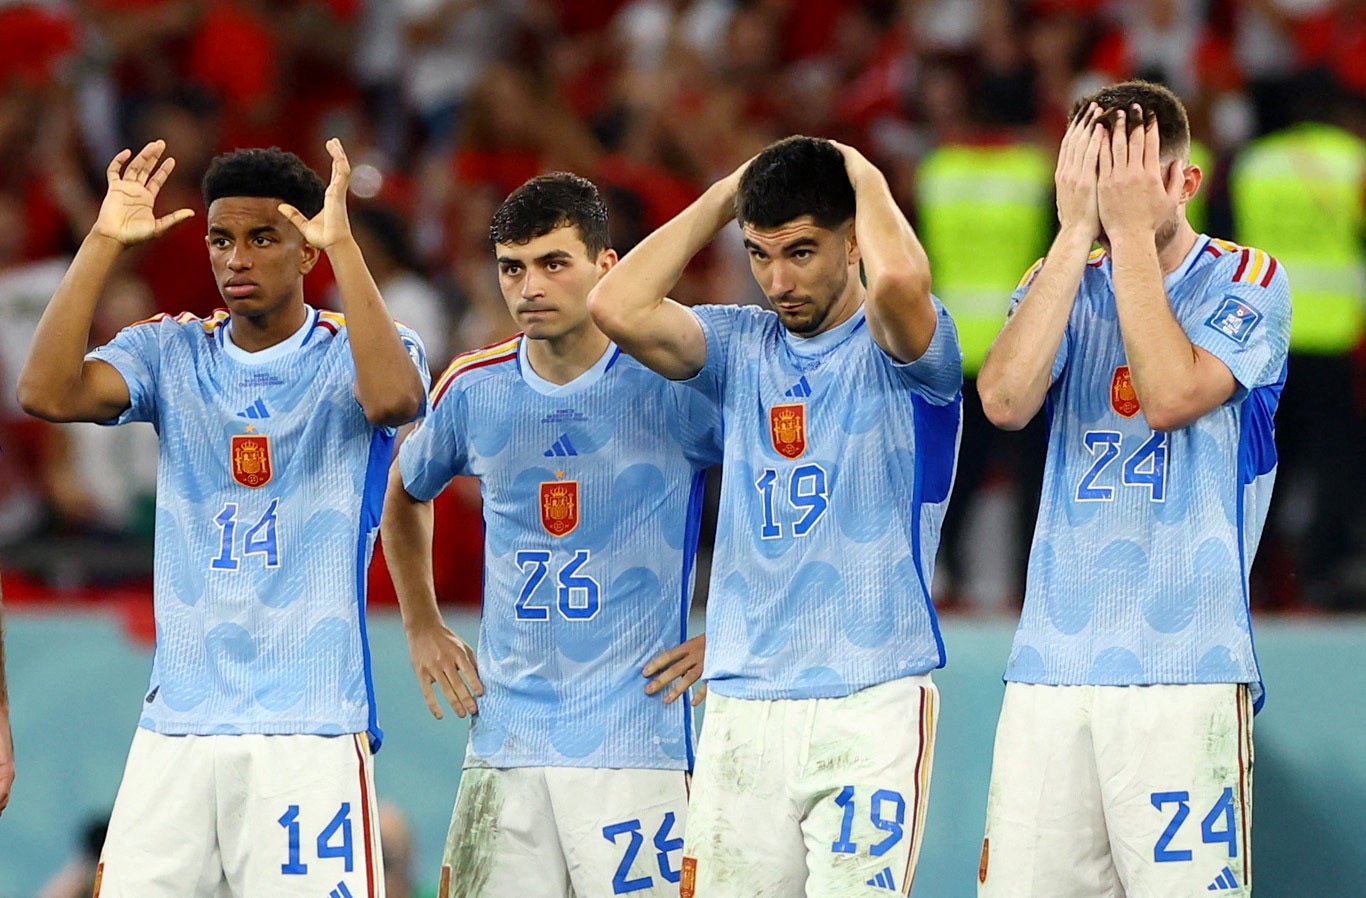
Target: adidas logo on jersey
561, 447
800, 390
255, 411
341, 891
1224, 881
885, 879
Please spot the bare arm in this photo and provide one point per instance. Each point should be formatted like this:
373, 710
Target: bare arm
1176, 381
6, 739
630, 303
57, 383
439, 656
901, 316
388, 385
1018, 369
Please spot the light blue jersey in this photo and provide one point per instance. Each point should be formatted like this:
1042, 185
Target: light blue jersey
838, 466
269, 489
592, 504
1139, 569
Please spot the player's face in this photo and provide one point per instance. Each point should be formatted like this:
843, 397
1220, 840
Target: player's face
806, 272
546, 281
258, 257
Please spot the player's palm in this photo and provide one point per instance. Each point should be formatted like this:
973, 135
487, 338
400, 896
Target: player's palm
127, 213
331, 225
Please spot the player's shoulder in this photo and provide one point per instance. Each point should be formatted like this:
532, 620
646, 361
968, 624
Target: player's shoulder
736, 316
471, 367
185, 324
1232, 263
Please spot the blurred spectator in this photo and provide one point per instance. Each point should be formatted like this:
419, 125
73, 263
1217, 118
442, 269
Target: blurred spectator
76, 879
1298, 194
383, 238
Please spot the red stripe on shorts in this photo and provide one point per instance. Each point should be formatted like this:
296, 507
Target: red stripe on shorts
1241, 698
365, 821
909, 875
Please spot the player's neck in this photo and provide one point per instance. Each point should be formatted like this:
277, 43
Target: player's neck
257, 332
1174, 253
563, 358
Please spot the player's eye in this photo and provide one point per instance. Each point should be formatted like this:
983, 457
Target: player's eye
512, 270
262, 240
757, 256
803, 254
553, 266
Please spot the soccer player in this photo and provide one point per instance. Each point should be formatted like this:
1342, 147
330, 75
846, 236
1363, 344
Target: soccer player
841, 409
591, 469
250, 773
1123, 761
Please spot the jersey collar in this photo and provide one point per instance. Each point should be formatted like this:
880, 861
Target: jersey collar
270, 353
582, 382
809, 347
1171, 280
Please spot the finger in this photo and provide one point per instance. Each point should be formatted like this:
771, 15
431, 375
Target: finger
671, 673
341, 166
1138, 141
1152, 145
682, 685
144, 161
661, 661
470, 670
430, 696
1119, 140
1090, 160
294, 216
115, 169
159, 176
699, 695
457, 693
166, 222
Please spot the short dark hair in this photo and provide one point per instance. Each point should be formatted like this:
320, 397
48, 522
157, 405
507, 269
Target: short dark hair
546, 202
794, 177
272, 173
1173, 128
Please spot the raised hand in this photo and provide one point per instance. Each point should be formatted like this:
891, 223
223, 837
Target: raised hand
1136, 193
678, 668
331, 225
126, 214
1076, 175
441, 657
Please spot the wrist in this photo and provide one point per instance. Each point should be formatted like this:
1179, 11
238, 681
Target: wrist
1075, 238
99, 240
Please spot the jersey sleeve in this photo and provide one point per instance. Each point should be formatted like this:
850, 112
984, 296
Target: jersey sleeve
437, 449
719, 325
135, 353
418, 353
938, 373
1017, 297
1244, 319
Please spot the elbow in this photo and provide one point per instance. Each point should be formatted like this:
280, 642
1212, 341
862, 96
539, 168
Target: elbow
40, 403
396, 410
904, 282
1002, 409
1165, 419
604, 308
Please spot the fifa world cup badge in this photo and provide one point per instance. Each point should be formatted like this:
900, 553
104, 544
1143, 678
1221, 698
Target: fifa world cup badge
1123, 399
560, 506
251, 465
787, 429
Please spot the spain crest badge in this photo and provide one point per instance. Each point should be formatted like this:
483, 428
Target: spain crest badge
787, 429
560, 507
251, 463
1123, 399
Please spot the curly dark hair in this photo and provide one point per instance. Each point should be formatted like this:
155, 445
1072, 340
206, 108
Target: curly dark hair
546, 202
794, 177
272, 173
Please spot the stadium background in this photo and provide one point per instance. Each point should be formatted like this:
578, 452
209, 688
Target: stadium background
446, 105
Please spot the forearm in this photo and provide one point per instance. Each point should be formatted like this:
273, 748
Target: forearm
52, 373
1162, 360
388, 385
900, 312
630, 303
406, 530
1019, 366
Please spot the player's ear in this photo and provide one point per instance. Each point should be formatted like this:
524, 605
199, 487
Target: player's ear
308, 257
606, 259
851, 248
1191, 177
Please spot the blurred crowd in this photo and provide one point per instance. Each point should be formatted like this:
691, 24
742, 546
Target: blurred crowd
446, 105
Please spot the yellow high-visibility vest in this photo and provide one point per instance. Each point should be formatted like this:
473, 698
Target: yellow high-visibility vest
986, 215
1197, 208
1297, 194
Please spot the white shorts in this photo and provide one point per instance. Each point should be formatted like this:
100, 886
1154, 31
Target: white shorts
1137, 791
243, 815
820, 797
554, 832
